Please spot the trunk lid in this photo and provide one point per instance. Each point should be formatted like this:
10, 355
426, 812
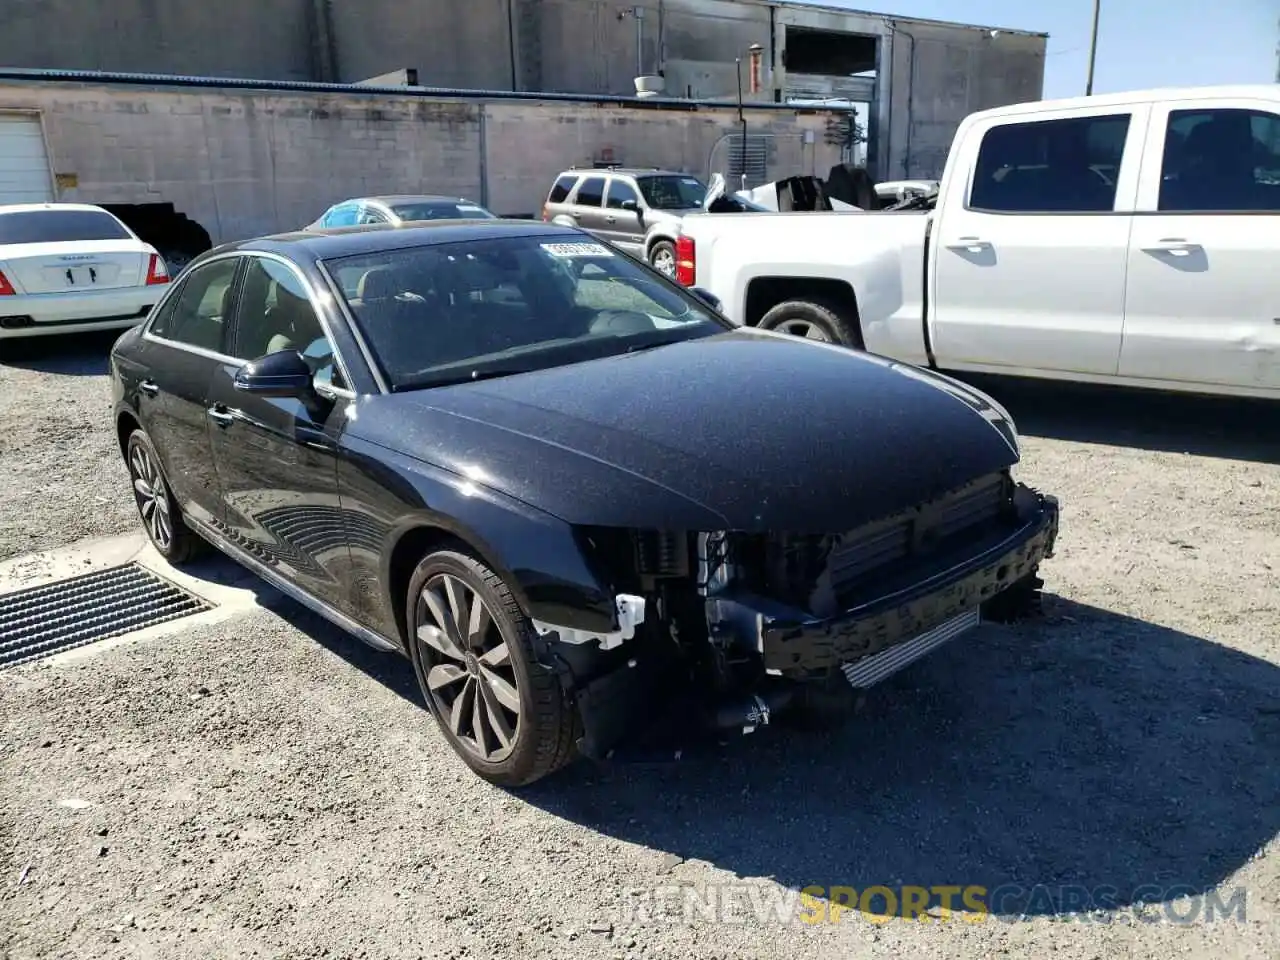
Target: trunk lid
88, 265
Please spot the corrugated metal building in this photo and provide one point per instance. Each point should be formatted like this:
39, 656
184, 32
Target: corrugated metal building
918, 78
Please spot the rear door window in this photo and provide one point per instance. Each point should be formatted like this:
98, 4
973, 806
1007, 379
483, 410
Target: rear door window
591, 193
343, 215
197, 314
60, 226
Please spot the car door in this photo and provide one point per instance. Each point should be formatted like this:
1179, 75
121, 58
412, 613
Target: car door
1030, 246
180, 349
277, 457
624, 226
1203, 300
587, 206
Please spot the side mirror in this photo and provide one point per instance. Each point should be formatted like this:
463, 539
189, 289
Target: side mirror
629, 205
707, 297
280, 374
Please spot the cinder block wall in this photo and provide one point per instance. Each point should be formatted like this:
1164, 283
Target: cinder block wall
246, 164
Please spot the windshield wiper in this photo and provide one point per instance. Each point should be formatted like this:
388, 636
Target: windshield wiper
473, 376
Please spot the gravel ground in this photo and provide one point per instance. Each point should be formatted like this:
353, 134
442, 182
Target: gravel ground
306, 807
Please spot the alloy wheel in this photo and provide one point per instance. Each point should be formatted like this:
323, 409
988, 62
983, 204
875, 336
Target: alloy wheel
152, 496
470, 675
665, 263
803, 328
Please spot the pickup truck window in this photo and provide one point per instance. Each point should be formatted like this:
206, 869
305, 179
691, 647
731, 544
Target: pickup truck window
591, 193
1050, 166
1225, 161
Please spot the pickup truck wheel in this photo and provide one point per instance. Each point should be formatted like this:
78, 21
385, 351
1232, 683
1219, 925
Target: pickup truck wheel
814, 320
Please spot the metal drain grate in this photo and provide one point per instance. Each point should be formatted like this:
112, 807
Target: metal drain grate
40, 621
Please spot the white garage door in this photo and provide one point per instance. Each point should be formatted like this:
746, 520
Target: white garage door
24, 167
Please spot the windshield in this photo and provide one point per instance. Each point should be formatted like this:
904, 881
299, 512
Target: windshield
672, 192
59, 226
453, 312
441, 210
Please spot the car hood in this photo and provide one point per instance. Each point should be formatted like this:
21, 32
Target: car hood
744, 430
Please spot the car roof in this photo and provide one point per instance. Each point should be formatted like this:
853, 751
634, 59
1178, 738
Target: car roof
412, 198
52, 205
334, 242
624, 172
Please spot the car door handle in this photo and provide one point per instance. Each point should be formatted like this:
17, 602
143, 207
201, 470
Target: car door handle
149, 387
972, 244
610, 219
1174, 246
221, 416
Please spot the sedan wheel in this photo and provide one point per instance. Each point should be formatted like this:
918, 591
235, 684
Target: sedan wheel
474, 654
472, 682
160, 515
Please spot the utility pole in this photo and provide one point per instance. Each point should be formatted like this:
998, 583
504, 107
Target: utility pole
1093, 48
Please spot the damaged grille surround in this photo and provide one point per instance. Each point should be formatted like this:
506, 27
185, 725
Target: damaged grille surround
811, 604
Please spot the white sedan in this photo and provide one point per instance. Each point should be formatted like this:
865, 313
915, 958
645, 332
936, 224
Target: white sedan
71, 267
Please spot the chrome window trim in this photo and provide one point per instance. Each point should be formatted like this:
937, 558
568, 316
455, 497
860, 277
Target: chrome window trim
147, 333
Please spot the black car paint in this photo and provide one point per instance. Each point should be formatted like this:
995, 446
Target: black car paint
743, 430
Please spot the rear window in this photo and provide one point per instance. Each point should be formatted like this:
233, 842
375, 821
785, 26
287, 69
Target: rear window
562, 188
59, 226
441, 211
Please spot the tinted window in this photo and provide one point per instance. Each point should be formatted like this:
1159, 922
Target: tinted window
197, 313
343, 215
1221, 160
672, 192
443, 312
1050, 166
371, 215
591, 193
620, 190
562, 188
59, 226
442, 210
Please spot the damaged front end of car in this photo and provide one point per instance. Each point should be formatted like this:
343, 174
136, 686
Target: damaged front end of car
724, 630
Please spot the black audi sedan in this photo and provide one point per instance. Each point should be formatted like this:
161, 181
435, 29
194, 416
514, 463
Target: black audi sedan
568, 491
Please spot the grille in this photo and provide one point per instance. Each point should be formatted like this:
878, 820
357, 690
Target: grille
40, 621
836, 566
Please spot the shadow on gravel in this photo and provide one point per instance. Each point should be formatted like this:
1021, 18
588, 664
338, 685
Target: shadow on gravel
1086, 750
1206, 426
70, 355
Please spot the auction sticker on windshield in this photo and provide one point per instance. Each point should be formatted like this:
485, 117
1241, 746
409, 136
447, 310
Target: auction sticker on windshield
576, 250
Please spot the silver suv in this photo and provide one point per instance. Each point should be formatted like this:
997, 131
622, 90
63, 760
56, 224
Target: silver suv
636, 210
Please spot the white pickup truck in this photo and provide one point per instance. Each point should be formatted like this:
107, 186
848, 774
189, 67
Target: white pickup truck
1131, 239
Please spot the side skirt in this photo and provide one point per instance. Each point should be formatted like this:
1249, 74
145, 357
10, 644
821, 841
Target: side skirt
334, 616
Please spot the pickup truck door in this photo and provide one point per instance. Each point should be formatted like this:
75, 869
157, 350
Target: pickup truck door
1031, 239
1203, 301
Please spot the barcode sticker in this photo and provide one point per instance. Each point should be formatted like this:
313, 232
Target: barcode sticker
576, 250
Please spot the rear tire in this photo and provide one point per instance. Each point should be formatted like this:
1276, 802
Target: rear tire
503, 713
815, 319
161, 517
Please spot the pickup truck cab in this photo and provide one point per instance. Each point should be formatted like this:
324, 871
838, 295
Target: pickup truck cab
1129, 239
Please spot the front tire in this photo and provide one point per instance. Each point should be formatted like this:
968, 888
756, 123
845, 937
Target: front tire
814, 320
472, 648
161, 517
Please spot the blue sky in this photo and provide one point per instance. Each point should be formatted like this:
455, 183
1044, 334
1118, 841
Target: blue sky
1141, 43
